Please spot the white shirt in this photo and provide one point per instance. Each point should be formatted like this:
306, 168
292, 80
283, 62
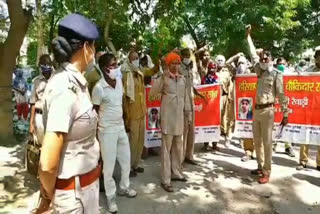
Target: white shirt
243, 115
110, 101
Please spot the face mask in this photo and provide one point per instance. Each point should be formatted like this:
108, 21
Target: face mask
264, 66
281, 68
241, 69
136, 63
186, 61
91, 65
113, 73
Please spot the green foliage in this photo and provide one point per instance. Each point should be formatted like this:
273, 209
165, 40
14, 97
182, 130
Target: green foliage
286, 27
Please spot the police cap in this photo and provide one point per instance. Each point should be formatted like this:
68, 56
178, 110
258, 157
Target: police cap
78, 27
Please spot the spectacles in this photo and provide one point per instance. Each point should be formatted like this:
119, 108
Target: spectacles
264, 60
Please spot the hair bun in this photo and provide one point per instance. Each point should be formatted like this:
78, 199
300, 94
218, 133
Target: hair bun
61, 49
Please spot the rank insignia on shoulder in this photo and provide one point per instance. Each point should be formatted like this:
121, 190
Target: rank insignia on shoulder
73, 88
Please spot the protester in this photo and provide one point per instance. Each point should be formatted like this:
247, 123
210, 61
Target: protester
203, 61
269, 86
94, 74
174, 104
36, 101
226, 81
281, 66
188, 70
69, 170
20, 88
107, 100
304, 148
134, 108
210, 78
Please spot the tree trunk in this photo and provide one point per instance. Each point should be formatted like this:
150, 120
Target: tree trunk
107, 39
192, 31
40, 46
9, 50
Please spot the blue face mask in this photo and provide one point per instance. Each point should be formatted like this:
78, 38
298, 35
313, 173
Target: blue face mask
281, 68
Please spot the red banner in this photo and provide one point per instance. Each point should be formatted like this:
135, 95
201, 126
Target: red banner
207, 116
303, 94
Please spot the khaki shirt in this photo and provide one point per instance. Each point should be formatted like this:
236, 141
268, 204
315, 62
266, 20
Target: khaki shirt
174, 103
313, 68
39, 85
137, 109
92, 78
189, 74
270, 86
68, 109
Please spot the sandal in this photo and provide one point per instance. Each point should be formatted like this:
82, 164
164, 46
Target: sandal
167, 187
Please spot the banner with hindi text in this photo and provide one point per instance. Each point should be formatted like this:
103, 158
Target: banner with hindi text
303, 94
207, 116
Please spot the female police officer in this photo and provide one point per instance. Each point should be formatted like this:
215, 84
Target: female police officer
69, 169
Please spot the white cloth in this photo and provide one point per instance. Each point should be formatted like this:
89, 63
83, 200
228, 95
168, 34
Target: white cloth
243, 115
77, 202
39, 129
110, 101
115, 146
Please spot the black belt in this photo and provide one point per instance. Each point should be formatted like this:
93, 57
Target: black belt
38, 111
263, 106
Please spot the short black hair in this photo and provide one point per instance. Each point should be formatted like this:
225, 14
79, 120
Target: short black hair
105, 60
185, 51
44, 59
245, 99
154, 111
279, 60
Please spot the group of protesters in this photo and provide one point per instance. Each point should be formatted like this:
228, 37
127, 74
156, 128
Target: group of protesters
90, 112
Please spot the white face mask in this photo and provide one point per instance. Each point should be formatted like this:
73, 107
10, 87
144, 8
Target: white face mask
186, 61
113, 73
136, 63
91, 65
241, 69
264, 66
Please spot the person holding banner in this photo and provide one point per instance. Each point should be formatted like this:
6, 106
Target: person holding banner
304, 149
269, 86
227, 90
238, 64
174, 105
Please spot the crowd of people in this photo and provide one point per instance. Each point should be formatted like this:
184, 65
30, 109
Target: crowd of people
90, 112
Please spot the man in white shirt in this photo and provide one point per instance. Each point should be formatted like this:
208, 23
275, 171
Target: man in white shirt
107, 100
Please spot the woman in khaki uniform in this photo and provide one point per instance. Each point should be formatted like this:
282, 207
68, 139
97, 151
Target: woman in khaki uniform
69, 170
172, 87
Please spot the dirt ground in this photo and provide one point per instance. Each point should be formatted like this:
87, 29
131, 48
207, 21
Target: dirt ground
220, 184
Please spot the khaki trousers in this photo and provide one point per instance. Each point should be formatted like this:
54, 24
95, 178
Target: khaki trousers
248, 146
188, 137
263, 120
223, 125
39, 129
229, 119
304, 153
171, 151
136, 138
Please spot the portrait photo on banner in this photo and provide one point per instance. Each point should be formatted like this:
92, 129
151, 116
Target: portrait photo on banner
245, 108
154, 118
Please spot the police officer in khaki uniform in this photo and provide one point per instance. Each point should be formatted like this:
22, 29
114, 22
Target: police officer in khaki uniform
69, 170
36, 101
304, 149
269, 86
189, 70
174, 104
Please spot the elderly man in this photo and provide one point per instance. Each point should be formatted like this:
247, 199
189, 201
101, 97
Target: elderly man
134, 108
174, 105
